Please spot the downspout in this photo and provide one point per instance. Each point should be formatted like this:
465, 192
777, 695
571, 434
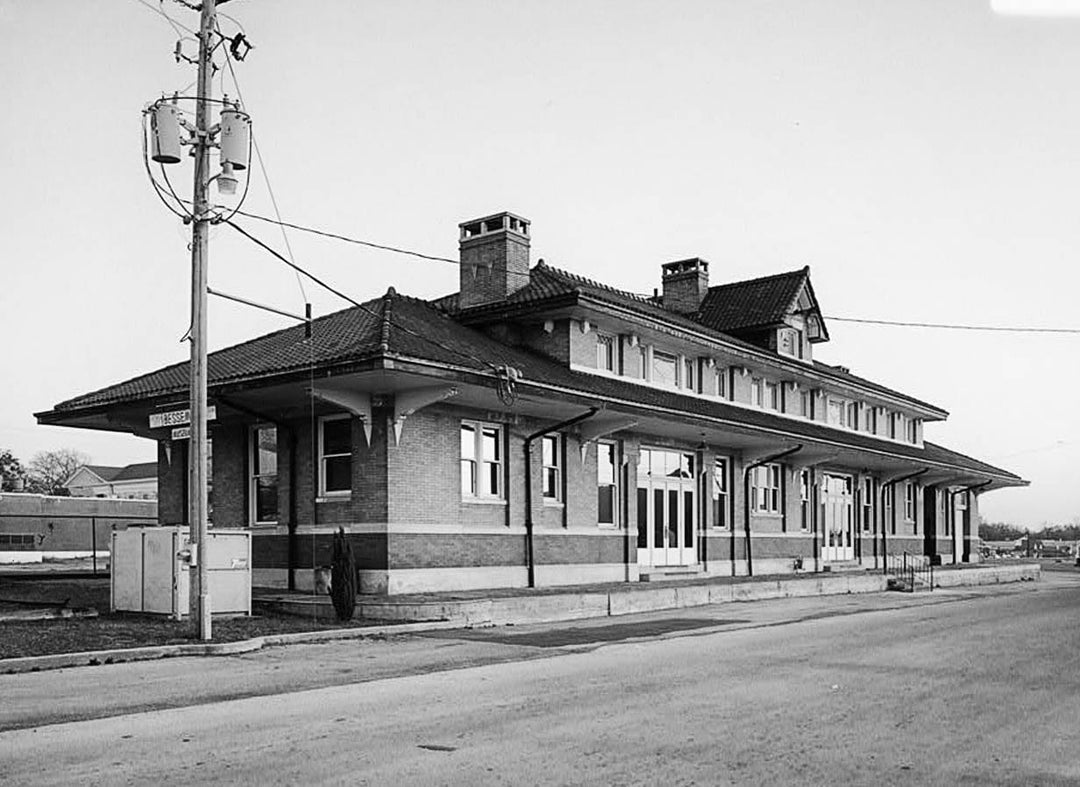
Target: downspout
746, 499
885, 525
529, 563
965, 554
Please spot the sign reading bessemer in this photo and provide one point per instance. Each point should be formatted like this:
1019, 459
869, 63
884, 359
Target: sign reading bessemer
178, 417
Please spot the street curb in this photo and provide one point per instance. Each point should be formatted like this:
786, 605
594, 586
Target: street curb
95, 658
479, 613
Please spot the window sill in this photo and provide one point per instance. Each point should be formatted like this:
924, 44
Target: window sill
767, 514
549, 503
333, 497
482, 501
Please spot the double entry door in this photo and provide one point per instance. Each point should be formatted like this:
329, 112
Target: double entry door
838, 499
666, 508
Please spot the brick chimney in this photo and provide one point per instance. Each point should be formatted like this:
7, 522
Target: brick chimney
494, 258
685, 284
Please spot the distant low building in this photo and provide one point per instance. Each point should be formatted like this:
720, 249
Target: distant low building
133, 482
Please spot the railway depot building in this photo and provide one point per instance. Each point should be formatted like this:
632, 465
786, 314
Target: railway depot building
538, 428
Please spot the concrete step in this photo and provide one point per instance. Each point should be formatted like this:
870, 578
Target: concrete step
666, 573
839, 566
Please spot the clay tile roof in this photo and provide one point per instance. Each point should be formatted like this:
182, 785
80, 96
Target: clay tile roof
755, 303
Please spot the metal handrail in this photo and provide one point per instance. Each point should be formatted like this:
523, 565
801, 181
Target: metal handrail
908, 567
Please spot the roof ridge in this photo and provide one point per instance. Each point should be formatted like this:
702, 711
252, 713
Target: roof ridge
804, 270
577, 277
387, 304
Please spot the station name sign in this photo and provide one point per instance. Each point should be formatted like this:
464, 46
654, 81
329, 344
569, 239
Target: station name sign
178, 417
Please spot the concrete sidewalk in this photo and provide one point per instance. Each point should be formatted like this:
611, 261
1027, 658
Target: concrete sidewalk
416, 613
515, 606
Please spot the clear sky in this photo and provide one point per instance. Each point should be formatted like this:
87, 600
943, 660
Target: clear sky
922, 157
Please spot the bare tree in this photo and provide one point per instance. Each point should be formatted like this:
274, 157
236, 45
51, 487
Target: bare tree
50, 469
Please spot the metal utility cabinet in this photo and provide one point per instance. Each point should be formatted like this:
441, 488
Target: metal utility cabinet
151, 571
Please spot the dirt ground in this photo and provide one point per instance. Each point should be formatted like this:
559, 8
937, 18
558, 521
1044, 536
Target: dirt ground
107, 630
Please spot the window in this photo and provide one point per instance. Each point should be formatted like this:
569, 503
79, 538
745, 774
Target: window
757, 391
721, 382
943, 511
870, 421
605, 353
481, 460
263, 481
896, 425
837, 412
765, 489
786, 342
853, 415
909, 502
607, 483
804, 499
771, 395
720, 494
335, 455
806, 404
689, 379
867, 505
913, 430
887, 499
664, 369
551, 450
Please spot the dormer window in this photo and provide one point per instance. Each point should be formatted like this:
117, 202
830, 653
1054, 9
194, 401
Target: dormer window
790, 342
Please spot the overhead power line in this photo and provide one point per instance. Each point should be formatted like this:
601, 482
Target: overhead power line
953, 327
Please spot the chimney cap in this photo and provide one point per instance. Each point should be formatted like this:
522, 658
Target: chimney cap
496, 222
689, 265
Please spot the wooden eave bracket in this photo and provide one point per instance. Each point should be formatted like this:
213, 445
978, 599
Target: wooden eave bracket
408, 402
592, 432
356, 402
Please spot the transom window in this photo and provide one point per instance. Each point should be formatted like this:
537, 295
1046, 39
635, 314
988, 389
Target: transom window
481, 460
335, 455
607, 483
670, 464
765, 488
551, 449
263, 479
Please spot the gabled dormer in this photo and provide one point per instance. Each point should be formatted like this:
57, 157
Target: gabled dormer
778, 313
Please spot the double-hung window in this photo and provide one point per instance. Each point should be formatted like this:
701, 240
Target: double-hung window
605, 353
837, 412
909, 502
771, 395
689, 378
481, 461
335, 455
664, 370
721, 499
887, 507
867, 504
262, 477
766, 489
804, 499
551, 450
607, 484
721, 382
853, 415
757, 388
806, 404
870, 421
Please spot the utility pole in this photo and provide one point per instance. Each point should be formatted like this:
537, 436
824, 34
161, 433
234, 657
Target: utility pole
198, 504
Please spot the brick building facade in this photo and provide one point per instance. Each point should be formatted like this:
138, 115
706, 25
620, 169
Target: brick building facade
538, 428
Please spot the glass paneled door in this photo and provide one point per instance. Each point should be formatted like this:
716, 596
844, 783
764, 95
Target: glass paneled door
666, 508
838, 540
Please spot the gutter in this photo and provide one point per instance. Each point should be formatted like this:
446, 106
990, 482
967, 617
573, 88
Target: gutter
884, 525
529, 561
746, 502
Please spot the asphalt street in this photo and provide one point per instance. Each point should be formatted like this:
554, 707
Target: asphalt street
954, 687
